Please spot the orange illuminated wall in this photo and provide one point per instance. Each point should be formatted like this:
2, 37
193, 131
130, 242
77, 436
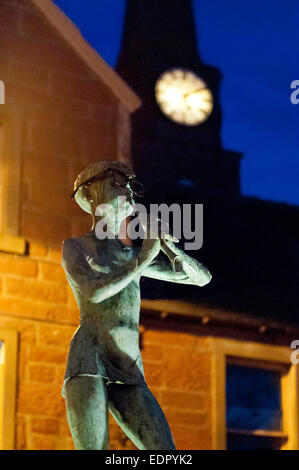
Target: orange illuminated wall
66, 118
1, 387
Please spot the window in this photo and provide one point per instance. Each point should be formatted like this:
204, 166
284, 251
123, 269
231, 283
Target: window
10, 173
255, 396
8, 368
2, 92
253, 407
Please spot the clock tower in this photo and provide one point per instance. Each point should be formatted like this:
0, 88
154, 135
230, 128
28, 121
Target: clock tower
176, 144
245, 239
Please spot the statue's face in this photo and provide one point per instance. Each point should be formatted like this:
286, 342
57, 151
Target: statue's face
109, 190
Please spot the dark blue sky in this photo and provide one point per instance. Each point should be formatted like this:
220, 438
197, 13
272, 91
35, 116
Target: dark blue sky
255, 45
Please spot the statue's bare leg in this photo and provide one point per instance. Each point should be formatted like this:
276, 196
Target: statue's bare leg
139, 415
87, 412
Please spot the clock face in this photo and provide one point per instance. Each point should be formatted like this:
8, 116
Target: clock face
184, 97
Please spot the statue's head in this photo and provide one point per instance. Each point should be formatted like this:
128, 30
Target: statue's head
103, 182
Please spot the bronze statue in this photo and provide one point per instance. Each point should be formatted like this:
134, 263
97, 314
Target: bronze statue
104, 369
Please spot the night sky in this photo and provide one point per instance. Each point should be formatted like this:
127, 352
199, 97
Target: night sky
255, 46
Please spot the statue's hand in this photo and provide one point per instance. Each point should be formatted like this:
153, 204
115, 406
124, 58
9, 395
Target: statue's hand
156, 235
154, 228
149, 250
196, 271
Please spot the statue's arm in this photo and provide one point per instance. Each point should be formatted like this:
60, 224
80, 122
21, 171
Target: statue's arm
192, 272
96, 286
161, 269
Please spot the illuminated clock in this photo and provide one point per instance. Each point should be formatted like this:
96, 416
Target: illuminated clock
184, 97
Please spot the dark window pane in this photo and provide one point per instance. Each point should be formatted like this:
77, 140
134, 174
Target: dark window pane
253, 398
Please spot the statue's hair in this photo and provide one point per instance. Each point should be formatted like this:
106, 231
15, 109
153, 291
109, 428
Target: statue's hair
93, 170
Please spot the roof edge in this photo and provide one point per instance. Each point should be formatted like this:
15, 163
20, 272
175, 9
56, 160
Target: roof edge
206, 314
71, 33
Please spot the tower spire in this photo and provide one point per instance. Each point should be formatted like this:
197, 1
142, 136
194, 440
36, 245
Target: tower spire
160, 27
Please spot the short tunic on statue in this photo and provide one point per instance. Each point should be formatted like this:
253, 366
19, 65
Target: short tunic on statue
88, 357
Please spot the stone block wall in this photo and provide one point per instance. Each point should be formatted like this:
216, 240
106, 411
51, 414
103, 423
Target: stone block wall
69, 119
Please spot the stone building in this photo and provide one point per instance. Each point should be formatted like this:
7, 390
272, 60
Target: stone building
64, 108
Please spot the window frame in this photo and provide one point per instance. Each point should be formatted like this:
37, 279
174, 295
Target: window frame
266, 356
8, 402
10, 167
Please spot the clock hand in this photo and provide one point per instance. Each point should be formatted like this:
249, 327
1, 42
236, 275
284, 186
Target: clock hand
194, 91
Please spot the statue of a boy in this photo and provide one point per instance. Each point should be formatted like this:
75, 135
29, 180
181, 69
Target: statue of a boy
104, 369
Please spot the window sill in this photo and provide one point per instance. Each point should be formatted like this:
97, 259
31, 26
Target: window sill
258, 432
